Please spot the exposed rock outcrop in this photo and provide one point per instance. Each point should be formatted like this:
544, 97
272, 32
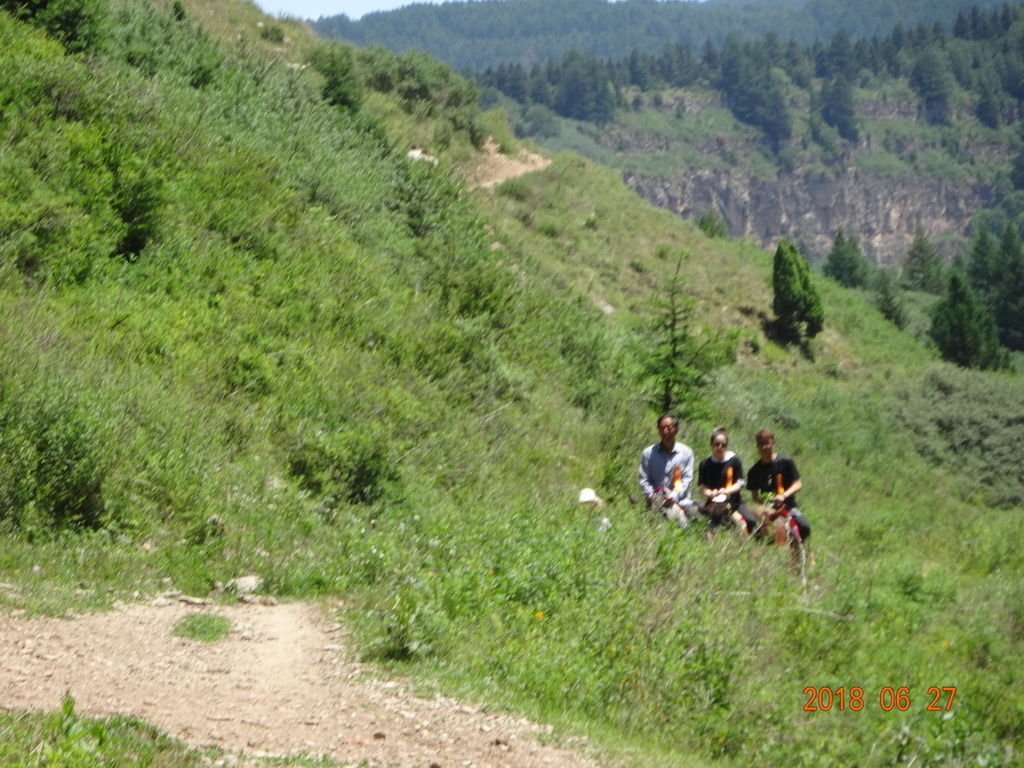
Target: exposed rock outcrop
809, 207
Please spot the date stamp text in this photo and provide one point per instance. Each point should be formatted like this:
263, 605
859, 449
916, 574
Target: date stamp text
887, 699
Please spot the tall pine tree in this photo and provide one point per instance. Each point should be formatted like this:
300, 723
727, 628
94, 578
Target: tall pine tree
837, 107
845, 263
796, 303
963, 331
888, 299
982, 267
922, 268
1007, 300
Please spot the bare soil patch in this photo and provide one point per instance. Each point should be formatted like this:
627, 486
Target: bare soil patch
494, 167
282, 683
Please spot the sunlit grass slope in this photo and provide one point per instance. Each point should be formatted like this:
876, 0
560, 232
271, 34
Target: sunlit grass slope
241, 332
918, 579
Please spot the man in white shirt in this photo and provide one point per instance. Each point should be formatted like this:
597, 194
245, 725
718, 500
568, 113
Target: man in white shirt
666, 471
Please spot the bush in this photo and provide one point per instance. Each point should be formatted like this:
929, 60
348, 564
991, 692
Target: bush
137, 200
712, 225
52, 462
341, 84
970, 424
349, 466
76, 23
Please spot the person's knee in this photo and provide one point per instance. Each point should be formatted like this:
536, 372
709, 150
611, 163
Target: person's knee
801, 524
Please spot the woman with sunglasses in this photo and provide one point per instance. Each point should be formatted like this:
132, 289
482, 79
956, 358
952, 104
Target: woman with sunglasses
720, 478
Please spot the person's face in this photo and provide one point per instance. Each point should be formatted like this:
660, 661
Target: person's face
718, 445
766, 447
667, 429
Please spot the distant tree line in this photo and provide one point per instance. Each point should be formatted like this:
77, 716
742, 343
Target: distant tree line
473, 36
979, 313
982, 54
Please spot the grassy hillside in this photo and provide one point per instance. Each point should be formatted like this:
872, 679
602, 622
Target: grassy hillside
243, 333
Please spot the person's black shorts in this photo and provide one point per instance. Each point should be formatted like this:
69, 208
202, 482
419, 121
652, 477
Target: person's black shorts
801, 523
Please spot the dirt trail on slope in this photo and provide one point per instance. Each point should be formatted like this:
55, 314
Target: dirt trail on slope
283, 682
494, 167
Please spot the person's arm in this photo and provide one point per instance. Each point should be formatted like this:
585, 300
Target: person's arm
645, 482
790, 479
702, 483
736, 487
755, 492
792, 490
686, 477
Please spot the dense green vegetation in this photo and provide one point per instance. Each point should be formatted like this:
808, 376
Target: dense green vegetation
477, 35
243, 333
67, 740
819, 110
756, 75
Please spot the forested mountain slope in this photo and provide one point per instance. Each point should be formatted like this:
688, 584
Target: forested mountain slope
875, 137
477, 35
243, 332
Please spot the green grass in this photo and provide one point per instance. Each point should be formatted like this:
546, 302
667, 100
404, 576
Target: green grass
204, 627
68, 740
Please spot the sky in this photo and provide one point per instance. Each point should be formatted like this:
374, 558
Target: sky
314, 9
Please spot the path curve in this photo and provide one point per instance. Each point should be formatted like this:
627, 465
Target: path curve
494, 167
283, 682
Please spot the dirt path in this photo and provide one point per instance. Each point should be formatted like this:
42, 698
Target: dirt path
282, 683
494, 167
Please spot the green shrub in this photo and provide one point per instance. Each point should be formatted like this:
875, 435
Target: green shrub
970, 424
337, 65
344, 467
53, 461
64, 738
712, 225
137, 198
272, 33
77, 24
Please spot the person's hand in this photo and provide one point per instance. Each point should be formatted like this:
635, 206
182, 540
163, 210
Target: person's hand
778, 502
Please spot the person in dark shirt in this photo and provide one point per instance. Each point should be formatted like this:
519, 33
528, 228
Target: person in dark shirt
721, 481
774, 482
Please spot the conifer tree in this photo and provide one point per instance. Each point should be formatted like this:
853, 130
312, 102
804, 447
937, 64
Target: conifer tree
888, 299
932, 78
837, 107
796, 303
982, 265
922, 268
845, 263
1007, 298
682, 355
963, 331
341, 83
989, 107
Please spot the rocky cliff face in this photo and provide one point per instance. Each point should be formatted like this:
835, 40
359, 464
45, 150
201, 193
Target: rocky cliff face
810, 201
809, 207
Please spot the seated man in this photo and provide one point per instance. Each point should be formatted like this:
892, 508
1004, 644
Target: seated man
774, 481
666, 471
